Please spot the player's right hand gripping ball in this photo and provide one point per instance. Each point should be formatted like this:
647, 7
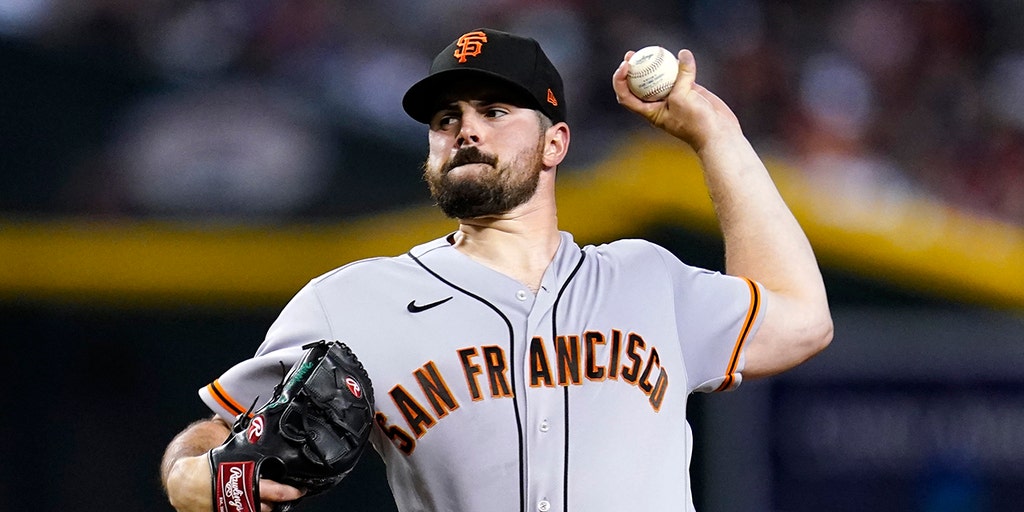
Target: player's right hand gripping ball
652, 73
309, 435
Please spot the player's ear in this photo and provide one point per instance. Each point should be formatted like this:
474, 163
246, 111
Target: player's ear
556, 144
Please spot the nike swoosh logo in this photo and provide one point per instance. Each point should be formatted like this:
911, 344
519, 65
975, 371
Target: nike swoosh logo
416, 308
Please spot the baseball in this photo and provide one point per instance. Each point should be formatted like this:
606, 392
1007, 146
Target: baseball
652, 73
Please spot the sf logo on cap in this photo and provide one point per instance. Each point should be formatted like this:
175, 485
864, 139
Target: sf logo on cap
470, 45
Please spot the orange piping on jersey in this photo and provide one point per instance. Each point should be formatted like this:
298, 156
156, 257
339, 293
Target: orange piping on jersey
734, 361
223, 398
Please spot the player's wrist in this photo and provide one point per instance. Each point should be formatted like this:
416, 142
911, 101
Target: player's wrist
719, 142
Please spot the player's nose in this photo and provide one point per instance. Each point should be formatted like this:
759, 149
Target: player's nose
469, 130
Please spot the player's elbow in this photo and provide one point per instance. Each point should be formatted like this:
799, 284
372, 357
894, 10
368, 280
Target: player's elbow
817, 329
810, 339
782, 345
820, 335
811, 332
793, 331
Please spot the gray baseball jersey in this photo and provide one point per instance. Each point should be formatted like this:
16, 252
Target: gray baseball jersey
492, 397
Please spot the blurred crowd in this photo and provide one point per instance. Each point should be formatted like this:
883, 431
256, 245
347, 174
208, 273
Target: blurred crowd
271, 110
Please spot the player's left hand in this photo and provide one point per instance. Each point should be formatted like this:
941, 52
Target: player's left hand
690, 112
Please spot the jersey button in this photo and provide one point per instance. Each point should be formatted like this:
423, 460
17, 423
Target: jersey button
544, 506
544, 426
521, 295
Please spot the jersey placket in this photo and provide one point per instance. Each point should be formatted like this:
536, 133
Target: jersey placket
544, 414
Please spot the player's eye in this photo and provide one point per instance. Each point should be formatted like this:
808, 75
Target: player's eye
445, 120
495, 112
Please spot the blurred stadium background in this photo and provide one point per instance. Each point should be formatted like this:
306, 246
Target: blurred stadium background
171, 171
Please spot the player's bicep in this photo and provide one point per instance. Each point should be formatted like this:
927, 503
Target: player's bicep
791, 332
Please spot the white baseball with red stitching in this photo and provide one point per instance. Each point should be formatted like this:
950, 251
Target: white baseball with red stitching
652, 73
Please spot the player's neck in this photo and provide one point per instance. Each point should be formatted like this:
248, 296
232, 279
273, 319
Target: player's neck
520, 244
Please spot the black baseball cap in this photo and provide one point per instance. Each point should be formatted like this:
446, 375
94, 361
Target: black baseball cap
488, 54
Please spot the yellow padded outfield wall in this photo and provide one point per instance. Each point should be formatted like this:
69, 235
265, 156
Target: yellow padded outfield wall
909, 242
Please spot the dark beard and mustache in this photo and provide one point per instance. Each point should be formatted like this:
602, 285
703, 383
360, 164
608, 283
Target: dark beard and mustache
491, 193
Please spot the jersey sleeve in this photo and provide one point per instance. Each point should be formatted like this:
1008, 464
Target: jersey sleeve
251, 382
716, 315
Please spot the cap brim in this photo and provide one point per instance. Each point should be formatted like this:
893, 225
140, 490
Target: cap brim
426, 97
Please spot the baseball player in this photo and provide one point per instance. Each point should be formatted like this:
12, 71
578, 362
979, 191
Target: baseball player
514, 369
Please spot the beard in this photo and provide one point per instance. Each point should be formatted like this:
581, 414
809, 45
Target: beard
491, 192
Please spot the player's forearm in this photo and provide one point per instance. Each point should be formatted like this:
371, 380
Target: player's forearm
197, 439
763, 240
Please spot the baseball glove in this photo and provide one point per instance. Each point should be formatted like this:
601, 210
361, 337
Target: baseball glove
309, 435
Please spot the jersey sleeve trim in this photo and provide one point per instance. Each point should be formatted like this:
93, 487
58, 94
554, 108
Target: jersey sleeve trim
223, 399
755, 306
